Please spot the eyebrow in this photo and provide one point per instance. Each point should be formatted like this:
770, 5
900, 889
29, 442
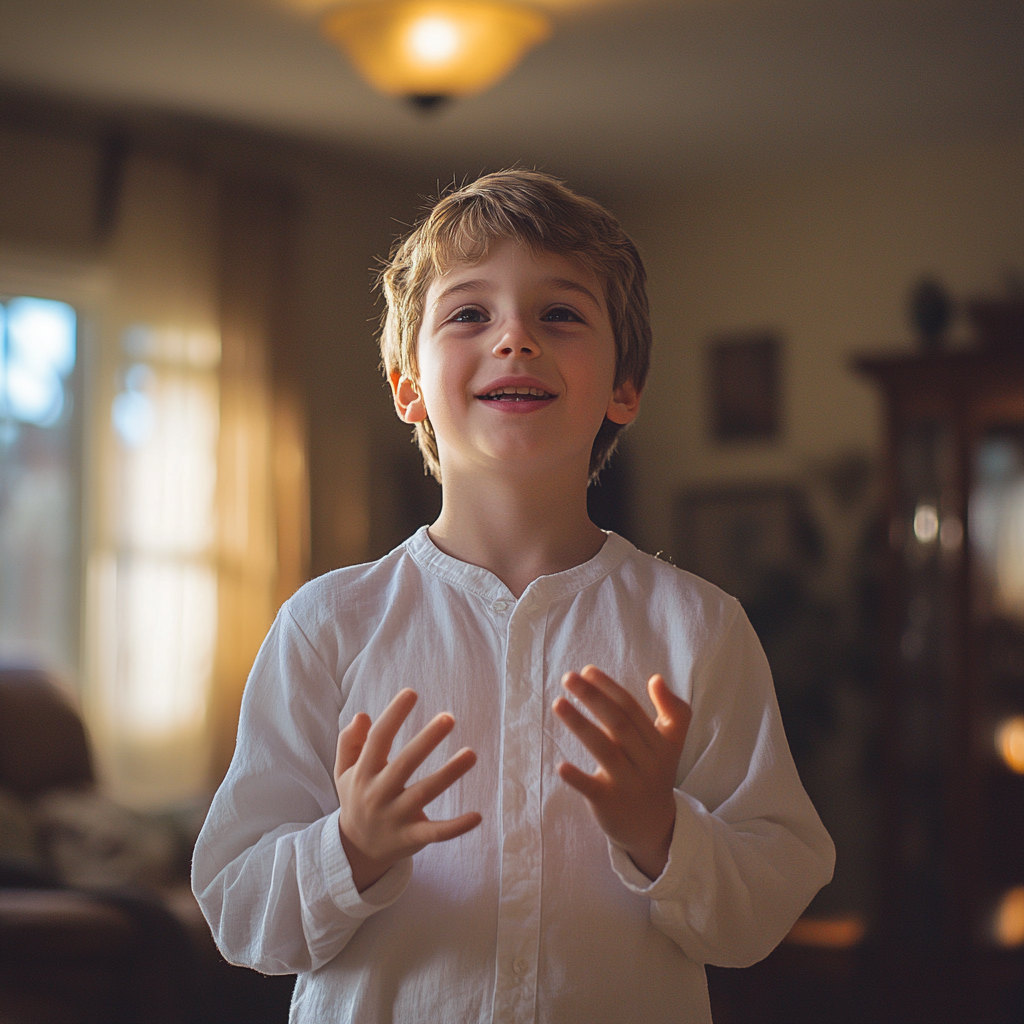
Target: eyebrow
559, 282
573, 286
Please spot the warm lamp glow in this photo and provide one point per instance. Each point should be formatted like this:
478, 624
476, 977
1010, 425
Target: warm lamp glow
1010, 743
433, 49
926, 523
1008, 926
843, 932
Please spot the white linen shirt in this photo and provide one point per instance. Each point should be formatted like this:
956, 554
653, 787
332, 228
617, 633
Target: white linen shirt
533, 916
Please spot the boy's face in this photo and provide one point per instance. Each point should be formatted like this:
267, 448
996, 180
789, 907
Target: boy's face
516, 359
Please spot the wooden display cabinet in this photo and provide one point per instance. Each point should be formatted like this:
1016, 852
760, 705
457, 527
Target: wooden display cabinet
950, 931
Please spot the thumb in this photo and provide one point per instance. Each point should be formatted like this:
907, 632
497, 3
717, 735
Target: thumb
674, 714
350, 744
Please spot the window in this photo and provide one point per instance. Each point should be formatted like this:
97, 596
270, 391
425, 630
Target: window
39, 535
152, 473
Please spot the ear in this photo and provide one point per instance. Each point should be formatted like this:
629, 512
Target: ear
624, 404
408, 402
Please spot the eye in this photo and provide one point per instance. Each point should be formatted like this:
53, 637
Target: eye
562, 315
468, 315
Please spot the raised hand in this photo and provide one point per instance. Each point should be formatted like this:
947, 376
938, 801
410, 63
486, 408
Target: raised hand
381, 821
631, 792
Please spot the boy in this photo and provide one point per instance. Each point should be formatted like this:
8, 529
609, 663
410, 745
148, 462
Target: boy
516, 341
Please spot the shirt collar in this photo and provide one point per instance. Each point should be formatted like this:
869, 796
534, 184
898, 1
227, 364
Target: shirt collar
542, 591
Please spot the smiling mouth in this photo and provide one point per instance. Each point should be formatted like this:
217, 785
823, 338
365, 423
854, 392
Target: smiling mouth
516, 394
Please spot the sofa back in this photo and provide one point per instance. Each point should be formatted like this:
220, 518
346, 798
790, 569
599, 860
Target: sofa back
43, 745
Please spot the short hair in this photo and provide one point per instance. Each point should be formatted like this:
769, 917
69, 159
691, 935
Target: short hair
534, 209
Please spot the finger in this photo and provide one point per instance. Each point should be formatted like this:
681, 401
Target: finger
621, 698
607, 752
350, 743
424, 832
418, 749
634, 733
674, 714
382, 733
593, 789
437, 782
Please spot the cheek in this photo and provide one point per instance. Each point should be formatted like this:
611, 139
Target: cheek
443, 384
596, 377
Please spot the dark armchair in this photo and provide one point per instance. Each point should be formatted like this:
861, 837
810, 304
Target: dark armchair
117, 954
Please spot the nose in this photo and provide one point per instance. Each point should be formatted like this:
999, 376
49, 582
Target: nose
516, 340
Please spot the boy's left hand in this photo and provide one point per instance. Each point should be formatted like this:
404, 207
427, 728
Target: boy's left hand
631, 793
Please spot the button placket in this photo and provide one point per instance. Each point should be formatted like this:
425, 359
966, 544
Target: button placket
520, 893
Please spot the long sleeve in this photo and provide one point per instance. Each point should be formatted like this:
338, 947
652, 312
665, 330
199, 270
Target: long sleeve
748, 851
269, 870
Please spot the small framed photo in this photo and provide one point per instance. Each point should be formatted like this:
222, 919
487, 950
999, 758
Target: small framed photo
744, 382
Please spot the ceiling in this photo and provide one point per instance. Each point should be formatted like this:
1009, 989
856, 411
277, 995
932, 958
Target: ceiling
623, 91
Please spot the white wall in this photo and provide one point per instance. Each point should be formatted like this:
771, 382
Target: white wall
826, 257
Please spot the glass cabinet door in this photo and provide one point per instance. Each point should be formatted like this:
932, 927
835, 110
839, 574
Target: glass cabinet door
927, 532
996, 518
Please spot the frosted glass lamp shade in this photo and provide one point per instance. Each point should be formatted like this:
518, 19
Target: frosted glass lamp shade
435, 48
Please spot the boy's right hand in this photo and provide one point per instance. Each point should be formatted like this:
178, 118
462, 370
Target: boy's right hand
380, 820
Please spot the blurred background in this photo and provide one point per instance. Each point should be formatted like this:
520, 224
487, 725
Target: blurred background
194, 196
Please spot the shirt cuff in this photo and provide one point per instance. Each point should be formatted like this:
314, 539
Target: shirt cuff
342, 887
680, 856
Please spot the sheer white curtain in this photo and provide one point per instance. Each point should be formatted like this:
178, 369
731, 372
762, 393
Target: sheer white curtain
182, 567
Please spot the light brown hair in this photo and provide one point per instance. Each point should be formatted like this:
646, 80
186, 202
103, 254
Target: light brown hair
533, 209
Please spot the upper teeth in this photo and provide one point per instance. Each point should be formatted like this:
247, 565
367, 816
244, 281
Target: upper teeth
536, 392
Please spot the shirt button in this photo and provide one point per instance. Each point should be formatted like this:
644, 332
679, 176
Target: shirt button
520, 966
500, 606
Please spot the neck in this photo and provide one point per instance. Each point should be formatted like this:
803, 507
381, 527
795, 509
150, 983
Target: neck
517, 529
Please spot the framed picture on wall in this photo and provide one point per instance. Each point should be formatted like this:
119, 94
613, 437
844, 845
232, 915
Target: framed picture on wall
739, 536
743, 374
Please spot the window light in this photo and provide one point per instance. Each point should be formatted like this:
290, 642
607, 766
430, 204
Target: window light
37, 353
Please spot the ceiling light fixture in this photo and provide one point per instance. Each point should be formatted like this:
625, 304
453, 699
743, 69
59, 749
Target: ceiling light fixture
433, 50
